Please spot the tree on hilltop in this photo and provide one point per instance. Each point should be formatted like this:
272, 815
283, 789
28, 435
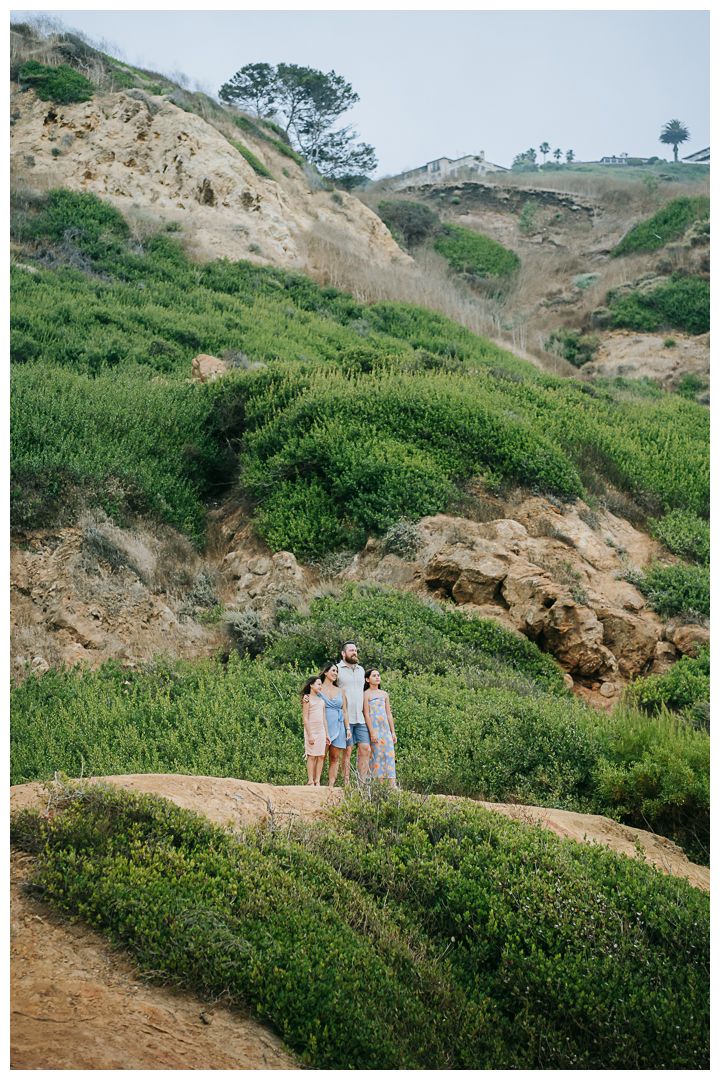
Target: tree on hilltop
569, 156
674, 133
557, 154
252, 87
310, 103
544, 149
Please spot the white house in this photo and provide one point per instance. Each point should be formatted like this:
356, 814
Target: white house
443, 168
702, 157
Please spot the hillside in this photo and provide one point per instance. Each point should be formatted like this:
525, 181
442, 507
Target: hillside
254, 416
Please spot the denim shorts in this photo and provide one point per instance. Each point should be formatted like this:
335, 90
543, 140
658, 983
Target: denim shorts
360, 734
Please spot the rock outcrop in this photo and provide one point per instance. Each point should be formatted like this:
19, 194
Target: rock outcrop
143, 153
544, 570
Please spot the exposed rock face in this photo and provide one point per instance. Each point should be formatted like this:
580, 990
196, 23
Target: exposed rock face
549, 576
687, 639
547, 572
82, 630
207, 368
143, 152
629, 637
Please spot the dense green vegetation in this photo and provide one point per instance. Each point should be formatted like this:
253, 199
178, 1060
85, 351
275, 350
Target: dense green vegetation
467, 251
673, 590
478, 712
667, 224
685, 688
473, 253
573, 345
252, 160
409, 222
683, 302
61, 83
129, 445
485, 943
684, 534
362, 416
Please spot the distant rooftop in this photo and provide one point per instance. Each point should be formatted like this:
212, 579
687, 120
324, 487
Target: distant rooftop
701, 157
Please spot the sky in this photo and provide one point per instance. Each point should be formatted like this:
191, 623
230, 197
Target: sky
435, 83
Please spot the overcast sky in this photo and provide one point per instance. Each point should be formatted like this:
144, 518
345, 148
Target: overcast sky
447, 83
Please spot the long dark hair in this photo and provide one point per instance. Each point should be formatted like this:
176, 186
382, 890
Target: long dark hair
367, 681
308, 683
326, 667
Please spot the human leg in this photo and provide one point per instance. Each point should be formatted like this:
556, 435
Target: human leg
363, 759
310, 762
334, 763
319, 763
346, 763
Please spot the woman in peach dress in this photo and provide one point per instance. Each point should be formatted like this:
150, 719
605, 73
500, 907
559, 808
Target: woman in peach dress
317, 739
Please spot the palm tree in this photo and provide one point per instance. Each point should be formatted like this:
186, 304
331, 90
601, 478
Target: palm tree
557, 154
569, 156
673, 134
544, 150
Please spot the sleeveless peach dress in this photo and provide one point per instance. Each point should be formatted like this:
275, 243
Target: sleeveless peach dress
315, 745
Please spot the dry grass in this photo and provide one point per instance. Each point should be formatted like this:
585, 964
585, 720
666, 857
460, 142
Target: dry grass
430, 283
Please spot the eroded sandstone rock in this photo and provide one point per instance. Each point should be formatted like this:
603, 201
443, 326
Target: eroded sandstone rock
629, 638
82, 630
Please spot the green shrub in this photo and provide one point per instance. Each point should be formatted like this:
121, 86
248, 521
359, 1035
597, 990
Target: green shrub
574, 346
61, 84
415, 222
397, 631
257, 165
421, 395
672, 590
658, 771
690, 386
667, 224
684, 302
681, 688
685, 534
490, 944
134, 445
473, 253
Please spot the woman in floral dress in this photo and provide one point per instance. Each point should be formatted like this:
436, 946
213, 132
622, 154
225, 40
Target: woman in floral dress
379, 719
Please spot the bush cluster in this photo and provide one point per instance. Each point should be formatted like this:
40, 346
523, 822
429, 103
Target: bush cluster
363, 415
475, 254
684, 302
682, 689
481, 942
409, 222
573, 345
61, 84
685, 534
665, 225
673, 590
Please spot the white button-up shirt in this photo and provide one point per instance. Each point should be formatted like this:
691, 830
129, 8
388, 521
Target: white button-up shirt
351, 679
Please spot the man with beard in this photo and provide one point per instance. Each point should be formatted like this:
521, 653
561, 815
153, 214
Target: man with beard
351, 679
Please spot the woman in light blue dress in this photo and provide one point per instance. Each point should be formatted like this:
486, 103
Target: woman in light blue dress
336, 713
379, 719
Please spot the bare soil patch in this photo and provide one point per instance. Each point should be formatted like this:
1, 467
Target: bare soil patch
77, 1004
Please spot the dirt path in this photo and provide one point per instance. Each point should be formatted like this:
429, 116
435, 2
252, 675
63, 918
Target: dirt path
76, 1004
